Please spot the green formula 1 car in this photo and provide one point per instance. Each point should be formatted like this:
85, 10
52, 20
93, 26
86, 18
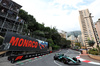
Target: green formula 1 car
58, 56
66, 59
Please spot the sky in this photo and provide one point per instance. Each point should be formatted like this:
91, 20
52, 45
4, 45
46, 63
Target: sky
62, 14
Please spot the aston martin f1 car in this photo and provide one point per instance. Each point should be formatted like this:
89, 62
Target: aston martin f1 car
66, 59
58, 56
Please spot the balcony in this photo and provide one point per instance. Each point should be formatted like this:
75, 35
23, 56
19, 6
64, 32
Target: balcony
15, 7
20, 28
1, 22
10, 4
8, 25
85, 35
15, 27
11, 15
19, 20
4, 30
15, 19
3, 14
6, 3
84, 28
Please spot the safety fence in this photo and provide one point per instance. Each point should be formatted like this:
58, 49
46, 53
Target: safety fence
15, 58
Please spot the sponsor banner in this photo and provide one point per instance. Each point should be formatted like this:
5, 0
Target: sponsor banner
17, 42
45, 44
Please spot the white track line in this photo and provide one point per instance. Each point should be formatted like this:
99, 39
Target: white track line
95, 63
57, 63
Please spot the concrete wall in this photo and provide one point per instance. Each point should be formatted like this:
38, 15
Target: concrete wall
84, 52
94, 57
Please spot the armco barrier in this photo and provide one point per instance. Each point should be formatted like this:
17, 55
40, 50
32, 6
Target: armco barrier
94, 57
16, 58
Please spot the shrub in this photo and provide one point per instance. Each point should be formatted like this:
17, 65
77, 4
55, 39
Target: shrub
56, 47
93, 51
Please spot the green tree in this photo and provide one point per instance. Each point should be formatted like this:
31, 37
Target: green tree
39, 33
78, 45
91, 43
63, 43
41, 27
50, 42
56, 47
25, 30
47, 32
23, 14
68, 43
56, 38
34, 28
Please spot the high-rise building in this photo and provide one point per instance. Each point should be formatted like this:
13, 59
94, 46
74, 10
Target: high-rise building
87, 27
97, 26
73, 39
80, 39
9, 19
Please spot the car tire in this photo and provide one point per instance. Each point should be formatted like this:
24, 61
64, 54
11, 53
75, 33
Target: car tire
65, 61
55, 58
78, 61
12, 60
60, 60
75, 59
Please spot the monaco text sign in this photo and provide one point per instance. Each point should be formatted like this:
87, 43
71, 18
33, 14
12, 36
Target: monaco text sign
17, 42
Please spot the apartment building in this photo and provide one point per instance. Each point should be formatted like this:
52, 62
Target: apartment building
73, 39
63, 34
80, 39
9, 19
87, 27
97, 26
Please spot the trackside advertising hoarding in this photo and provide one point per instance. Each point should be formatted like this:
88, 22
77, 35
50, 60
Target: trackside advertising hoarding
17, 42
16, 58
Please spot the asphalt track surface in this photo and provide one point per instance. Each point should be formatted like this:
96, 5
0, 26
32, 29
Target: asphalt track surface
48, 60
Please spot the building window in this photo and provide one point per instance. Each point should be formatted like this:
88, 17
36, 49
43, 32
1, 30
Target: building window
0, 1
84, 13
